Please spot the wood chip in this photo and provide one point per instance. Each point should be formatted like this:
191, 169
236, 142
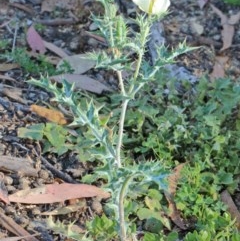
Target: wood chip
17, 165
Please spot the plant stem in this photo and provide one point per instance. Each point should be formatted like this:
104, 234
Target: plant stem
124, 108
123, 231
125, 102
120, 132
121, 84
140, 57
121, 121
145, 34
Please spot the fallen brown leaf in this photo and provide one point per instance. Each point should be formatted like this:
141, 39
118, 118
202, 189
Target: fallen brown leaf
57, 193
82, 82
35, 41
218, 68
232, 209
80, 63
58, 51
228, 26
51, 115
234, 19
227, 36
202, 3
174, 214
173, 178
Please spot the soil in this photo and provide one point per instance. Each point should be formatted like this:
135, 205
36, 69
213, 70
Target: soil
69, 29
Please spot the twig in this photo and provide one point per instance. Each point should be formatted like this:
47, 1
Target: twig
62, 175
57, 21
22, 7
98, 38
14, 37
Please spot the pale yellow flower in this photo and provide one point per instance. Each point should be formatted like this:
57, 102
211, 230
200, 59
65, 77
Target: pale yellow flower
153, 6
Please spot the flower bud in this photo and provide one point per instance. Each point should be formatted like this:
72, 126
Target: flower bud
153, 6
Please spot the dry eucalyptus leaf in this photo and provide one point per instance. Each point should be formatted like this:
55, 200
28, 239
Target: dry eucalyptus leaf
35, 41
228, 28
80, 63
227, 36
222, 16
57, 193
218, 68
58, 51
234, 19
202, 3
82, 82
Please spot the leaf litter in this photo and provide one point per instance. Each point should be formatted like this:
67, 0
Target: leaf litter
57, 193
60, 52
228, 26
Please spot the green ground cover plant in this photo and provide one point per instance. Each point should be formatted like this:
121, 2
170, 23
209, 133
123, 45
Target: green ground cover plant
233, 2
30, 65
152, 127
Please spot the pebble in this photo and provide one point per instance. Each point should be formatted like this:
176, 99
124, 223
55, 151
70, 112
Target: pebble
10, 210
59, 43
8, 180
217, 37
11, 189
43, 174
76, 172
36, 211
93, 42
97, 206
2, 147
93, 27
23, 184
74, 44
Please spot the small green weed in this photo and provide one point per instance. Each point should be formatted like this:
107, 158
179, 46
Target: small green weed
34, 66
57, 137
4, 44
233, 2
